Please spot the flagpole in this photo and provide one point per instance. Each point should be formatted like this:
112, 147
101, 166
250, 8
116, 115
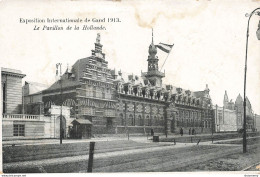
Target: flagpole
166, 58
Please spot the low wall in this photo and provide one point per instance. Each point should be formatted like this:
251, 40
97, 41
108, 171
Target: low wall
34, 126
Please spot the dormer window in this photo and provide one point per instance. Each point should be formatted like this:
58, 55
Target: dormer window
188, 92
179, 90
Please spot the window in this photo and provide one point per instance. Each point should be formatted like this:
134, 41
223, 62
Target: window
94, 91
141, 122
132, 120
18, 130
147, 120
186, 114
103, 92
150, 121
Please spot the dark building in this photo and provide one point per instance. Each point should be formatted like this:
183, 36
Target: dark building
117, 103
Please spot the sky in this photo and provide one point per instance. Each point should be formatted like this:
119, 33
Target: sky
209, 40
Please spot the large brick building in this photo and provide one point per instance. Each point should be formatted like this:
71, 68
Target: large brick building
117, 103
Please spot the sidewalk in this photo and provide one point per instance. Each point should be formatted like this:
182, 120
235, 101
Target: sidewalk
112, 138
139, 138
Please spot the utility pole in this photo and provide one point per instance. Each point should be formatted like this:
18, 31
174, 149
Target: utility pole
257, 12
61, 129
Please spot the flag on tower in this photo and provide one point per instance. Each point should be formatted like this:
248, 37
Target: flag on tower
164, 47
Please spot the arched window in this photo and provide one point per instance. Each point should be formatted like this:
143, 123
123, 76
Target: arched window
132, 120
150, 121
103, 92
94, 92
155, 120
147, 120
140, 120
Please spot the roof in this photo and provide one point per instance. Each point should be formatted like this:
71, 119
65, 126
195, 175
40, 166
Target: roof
135, 80
35, 88
83, 121
12, 72
65, 83
77, 69
36, 84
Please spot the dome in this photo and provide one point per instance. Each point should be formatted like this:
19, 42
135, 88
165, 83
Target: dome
152, 50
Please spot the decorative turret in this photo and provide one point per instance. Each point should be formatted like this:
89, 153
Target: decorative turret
153, 75
152, 58
152, 49
239, 100
206, 91
225, 97
98, 48
226, 100
207, 88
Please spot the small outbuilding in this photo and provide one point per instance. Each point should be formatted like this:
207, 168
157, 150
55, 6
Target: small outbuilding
81, 129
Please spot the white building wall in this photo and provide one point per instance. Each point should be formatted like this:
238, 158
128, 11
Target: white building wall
257, 122
36, 126
225, 119
55, 120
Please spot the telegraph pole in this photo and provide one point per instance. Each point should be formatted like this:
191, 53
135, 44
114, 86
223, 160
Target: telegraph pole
61, 129
247, 35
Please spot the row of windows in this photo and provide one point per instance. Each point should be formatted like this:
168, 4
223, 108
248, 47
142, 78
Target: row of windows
140, 121
191, 114
191, 123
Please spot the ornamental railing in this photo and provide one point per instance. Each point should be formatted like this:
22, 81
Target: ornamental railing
21, 116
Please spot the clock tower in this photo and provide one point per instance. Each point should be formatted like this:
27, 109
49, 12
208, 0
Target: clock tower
153, 74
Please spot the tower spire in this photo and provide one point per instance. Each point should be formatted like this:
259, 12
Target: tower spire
152, 35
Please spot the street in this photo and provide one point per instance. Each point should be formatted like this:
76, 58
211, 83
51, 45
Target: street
137, 155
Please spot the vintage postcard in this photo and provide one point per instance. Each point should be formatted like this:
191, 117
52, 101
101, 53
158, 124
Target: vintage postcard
130, 86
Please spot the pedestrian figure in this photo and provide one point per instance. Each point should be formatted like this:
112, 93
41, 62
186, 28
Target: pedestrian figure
189, 131
152, 133
181, 131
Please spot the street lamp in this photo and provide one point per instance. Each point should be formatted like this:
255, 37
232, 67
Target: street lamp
258, 30
61, 130
258, 36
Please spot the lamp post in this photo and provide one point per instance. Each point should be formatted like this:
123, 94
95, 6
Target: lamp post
258, 36
61, 130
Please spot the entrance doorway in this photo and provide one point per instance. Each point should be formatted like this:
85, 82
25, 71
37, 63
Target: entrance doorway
110, 125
